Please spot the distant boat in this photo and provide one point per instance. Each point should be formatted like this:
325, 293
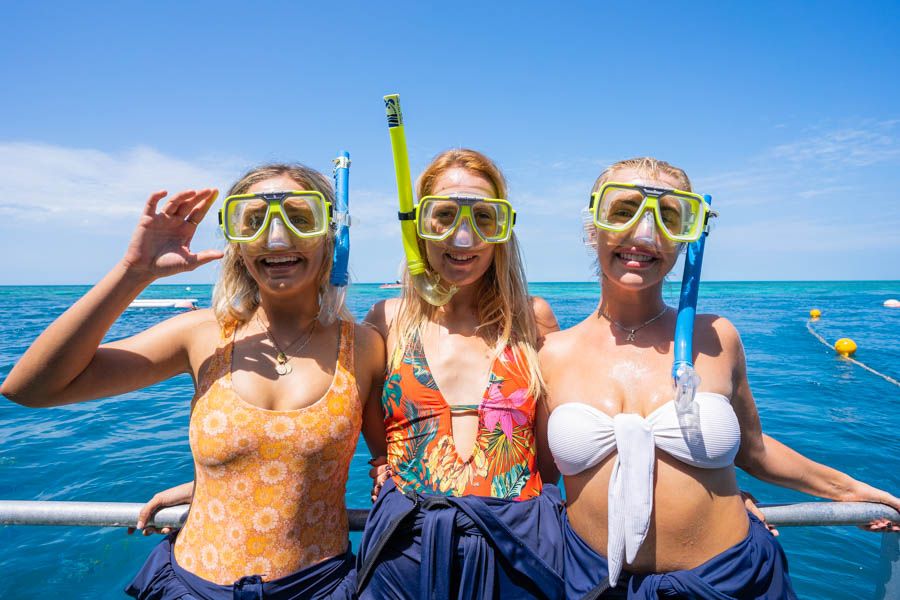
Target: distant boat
188, 303
391, 286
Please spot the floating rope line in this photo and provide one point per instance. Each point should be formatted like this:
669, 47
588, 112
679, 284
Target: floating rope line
853, 360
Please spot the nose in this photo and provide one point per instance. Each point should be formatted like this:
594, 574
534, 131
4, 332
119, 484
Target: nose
645, 228
277, 236
463, 237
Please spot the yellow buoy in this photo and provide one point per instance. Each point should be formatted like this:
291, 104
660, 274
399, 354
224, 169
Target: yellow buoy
815, 313
845, 346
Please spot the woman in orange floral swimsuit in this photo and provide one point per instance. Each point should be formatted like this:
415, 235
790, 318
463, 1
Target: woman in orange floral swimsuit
281, 391
469, 495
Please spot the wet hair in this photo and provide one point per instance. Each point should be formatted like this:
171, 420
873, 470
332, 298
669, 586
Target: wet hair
504, 307
648, 167
236, 294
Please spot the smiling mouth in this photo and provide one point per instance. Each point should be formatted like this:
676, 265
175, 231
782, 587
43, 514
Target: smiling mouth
636, 259
460, 259
280, 261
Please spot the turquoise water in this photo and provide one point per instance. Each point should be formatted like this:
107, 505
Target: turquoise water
128, 447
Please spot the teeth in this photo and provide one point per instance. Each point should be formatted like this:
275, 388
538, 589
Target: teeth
461, 256
274, 260
636, 257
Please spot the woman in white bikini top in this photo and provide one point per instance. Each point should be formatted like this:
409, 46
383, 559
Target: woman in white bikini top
610, 394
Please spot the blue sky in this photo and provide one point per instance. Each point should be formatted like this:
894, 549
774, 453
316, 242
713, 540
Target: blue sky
787, 113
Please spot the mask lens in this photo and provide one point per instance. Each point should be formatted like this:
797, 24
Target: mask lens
618, 207
244, 218
679, 214
305, 214
491, 219
437, 218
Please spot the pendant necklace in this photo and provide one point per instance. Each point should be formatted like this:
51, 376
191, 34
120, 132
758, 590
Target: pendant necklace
631, 331
282, 360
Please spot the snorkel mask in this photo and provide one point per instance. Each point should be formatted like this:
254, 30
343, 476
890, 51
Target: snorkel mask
680, 216
304, 213
468, 220
427, 284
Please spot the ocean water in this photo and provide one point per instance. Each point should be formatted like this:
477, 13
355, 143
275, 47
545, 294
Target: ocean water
128, 447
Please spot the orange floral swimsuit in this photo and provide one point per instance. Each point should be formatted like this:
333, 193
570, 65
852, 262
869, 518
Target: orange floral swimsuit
269, 491
421, 450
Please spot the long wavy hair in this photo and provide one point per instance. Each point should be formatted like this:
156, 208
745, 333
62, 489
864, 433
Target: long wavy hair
504, 307
236, 294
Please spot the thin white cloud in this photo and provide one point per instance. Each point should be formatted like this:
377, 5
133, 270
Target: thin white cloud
86, 187
870, 143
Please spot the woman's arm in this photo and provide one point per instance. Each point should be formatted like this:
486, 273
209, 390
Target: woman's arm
769, 460
545, 405
66, 364
372, 347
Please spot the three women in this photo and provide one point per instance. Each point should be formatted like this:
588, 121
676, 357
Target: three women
275, 419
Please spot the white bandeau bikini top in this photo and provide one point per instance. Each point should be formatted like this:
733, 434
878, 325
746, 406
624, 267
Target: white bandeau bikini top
580, 436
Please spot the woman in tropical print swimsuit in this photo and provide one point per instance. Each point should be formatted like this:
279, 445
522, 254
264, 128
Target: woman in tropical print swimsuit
460, 405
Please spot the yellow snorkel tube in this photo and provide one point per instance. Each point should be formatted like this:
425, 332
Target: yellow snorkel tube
427, 284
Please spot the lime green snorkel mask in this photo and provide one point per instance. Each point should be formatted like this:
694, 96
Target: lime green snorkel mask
427, 284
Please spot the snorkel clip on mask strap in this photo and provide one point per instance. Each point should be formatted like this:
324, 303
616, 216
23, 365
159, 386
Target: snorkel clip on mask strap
427, 284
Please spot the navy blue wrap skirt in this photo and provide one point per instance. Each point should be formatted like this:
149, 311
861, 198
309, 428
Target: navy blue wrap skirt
467, 548
161, 578
755, 568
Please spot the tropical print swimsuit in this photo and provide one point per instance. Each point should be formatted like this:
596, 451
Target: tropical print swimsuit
420, 446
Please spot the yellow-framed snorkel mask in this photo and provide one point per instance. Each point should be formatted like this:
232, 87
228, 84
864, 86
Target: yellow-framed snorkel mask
466, 218
680, 216
304, 213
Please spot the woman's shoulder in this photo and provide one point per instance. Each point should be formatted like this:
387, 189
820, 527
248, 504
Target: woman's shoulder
559, 345
367, 335
716, 335
543, 317
382, 315
368, 347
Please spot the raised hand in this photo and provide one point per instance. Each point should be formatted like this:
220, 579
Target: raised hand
161, 244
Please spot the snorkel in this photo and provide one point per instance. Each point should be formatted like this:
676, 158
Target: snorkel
686, 380
341, 220
427, 284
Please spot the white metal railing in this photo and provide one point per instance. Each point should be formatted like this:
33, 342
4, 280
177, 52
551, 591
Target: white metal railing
801, 514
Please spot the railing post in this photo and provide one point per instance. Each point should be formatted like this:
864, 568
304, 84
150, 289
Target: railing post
889, 567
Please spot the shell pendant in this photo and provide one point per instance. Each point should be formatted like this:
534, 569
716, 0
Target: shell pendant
281, 364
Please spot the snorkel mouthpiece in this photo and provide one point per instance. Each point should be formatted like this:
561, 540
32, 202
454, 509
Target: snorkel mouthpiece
685, 379
427, 285
334, 301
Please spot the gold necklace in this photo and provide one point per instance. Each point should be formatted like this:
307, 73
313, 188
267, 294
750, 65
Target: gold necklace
282, 360
631, 332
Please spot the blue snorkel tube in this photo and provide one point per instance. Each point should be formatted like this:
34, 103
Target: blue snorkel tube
686, 380
339, 277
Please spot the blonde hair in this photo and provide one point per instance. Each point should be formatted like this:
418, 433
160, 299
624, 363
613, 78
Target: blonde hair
504, 307
236, 294
647, 167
